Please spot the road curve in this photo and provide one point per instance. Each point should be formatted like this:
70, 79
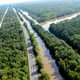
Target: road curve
46, 24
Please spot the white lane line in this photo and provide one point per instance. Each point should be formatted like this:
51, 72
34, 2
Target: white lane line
3, 17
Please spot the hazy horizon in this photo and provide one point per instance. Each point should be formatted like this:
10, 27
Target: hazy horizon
2, 2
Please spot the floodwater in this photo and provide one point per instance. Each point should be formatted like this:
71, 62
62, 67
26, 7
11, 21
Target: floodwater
46, 53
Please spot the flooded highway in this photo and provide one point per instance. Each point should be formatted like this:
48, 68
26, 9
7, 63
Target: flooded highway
56, 75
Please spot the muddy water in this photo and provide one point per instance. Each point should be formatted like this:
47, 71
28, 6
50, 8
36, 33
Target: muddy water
56, 73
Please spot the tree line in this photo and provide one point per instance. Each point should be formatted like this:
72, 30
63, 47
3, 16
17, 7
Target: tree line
69, 31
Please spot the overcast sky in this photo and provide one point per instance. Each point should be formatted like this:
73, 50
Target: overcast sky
15, 1
19, 1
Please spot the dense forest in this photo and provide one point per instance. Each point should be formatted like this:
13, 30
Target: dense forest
68, 31
13, 56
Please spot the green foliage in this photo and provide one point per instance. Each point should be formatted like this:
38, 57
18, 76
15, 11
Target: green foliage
68, 31
67, 59
13, 56
44, 75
